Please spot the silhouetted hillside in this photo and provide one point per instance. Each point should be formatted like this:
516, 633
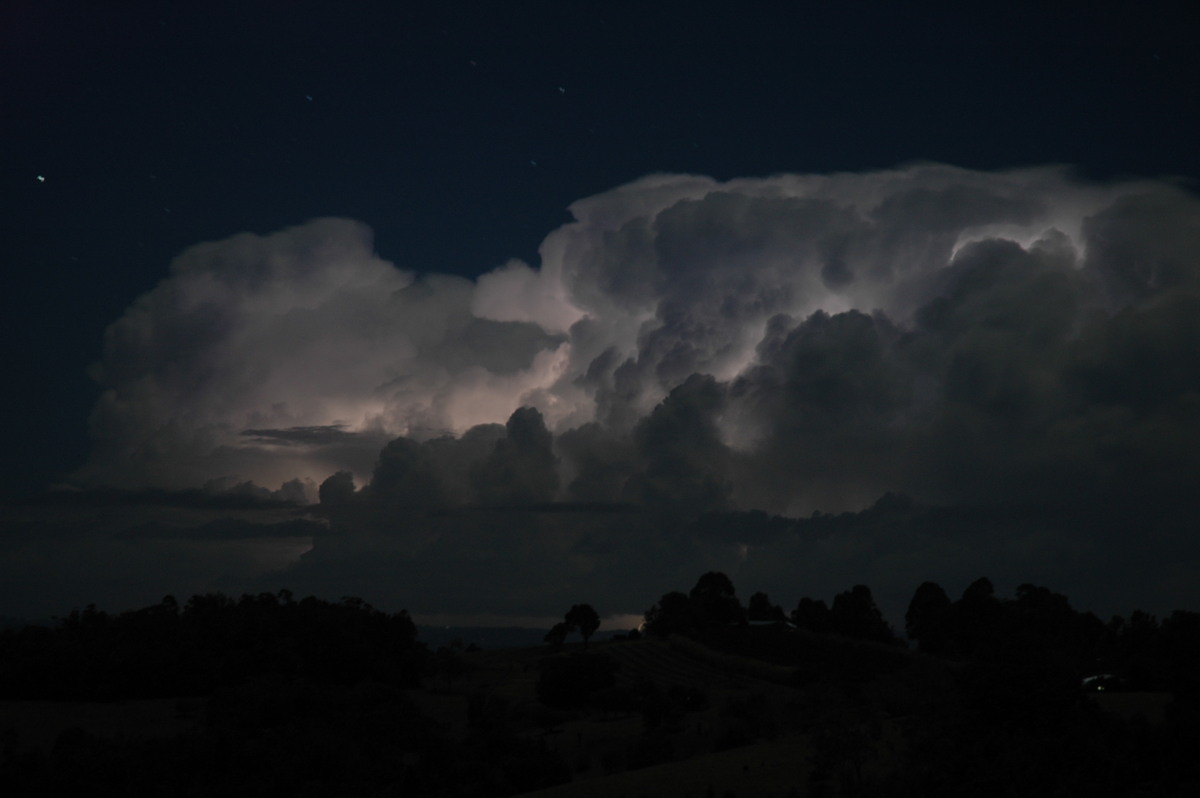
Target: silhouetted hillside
211, 642
488, 636
275, 696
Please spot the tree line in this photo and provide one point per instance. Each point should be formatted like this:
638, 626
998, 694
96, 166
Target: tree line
1036, 626
212, 641
713, 603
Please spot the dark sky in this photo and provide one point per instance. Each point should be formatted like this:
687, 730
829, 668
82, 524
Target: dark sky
460, 135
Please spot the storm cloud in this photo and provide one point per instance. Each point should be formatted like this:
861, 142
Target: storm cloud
296, 354
787, 344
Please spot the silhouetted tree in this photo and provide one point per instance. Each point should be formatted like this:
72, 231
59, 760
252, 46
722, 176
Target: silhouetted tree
975, 619
557, 635
1181, 635
854, 614
673, 614
1136, 650
712, 602
980, 591
1141, 632
761, 609
1181, 649
716, 601
583, 618
928, 618
1040, 625
812, 615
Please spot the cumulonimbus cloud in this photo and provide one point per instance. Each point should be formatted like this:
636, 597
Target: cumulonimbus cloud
1016, 351
788, 343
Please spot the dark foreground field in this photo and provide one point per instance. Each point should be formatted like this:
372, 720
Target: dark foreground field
677, 719
269, 696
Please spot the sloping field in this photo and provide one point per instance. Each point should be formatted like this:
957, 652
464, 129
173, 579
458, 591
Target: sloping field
37, 724
770, 768
513, 673
672, 664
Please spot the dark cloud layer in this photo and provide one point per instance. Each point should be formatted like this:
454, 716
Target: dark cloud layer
1016, 348
321, 435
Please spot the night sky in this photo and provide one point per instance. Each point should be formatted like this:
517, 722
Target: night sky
540, 300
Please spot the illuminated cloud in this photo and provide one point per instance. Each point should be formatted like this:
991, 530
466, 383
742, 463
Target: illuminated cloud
865, 331
295, 355
786, 344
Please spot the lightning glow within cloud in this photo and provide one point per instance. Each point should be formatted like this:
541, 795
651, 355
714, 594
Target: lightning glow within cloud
990, 308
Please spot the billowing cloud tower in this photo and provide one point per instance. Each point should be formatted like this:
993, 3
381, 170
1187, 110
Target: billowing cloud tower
787, 343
